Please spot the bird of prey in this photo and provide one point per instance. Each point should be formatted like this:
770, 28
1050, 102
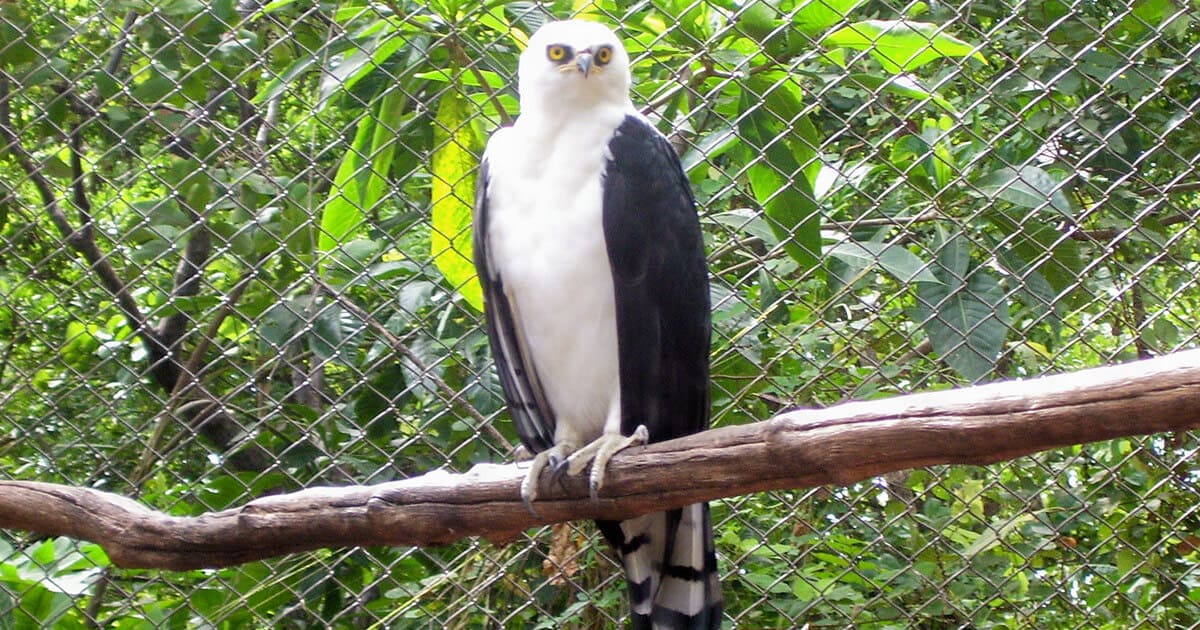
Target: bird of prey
589, 250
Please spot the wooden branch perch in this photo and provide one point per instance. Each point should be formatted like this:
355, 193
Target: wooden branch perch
795, 449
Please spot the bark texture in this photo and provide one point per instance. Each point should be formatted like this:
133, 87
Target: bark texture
795, 449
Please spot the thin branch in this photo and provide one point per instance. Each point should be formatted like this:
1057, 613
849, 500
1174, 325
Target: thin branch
118, 49
1106, 236
263, 136
1182, 187
460, 56
697, 79
795, 449
188, 383
221, 429
82, 239
188, 278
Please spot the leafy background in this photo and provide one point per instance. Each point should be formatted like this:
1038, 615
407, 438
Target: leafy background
235, 261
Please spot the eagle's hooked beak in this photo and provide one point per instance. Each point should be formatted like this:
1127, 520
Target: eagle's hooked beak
583, 61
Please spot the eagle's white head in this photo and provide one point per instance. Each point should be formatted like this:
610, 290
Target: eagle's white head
571, 65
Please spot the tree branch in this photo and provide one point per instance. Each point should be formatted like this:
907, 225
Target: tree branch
81, 240
218, 426
796, 449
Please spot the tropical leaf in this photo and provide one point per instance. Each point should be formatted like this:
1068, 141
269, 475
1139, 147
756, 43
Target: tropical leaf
1028, 186
453, 166
966, 316
892, 258
901, 45
361, 180
781, 183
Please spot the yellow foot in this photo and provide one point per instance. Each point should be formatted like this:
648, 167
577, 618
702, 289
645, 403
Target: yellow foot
554, 457
600, 451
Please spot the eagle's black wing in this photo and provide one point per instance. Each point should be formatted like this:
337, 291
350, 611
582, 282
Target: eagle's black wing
531, 412
660, 278
660, 281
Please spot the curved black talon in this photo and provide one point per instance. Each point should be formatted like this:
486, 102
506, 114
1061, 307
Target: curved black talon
529, 506
558, 471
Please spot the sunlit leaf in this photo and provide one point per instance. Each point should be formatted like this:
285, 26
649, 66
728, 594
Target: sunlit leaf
360, 61
493, 79
813, 17
781, 183
901, 46
453, 166
902, 85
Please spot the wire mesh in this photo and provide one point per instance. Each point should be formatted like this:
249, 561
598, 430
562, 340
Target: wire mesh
234, 262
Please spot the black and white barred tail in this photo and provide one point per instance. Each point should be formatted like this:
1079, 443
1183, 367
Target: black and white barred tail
671, 566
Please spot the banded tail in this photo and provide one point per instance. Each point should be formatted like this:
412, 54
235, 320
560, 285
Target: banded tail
671, 566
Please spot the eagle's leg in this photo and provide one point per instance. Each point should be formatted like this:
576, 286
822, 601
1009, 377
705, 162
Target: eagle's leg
554, 457
599, 451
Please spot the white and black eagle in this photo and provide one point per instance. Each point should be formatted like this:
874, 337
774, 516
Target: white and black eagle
592, 261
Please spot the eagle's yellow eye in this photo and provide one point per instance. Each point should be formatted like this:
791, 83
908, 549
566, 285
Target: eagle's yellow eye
604, 55
557, 52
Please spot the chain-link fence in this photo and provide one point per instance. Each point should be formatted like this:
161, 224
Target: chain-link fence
234, 262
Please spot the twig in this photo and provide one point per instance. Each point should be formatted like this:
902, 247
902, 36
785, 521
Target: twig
454, 45
187, 281
186, 381
118, 49
706, 73
82, 239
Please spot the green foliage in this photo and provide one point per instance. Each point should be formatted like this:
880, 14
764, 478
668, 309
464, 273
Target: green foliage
895, 197
452, 167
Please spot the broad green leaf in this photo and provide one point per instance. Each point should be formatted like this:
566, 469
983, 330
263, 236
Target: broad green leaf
931, 152
1041, 247
901, 46
54, 166
448, 10
966, 318
813, 17
940, 162
17, 48
374, 404
789, 205
189, 8
902, 85
758, 19
712, 145
361, 180
272, 7
277, 326
493, 79
453, 167
154, 87
1027, 186
953, 257
333, 335
1157, 17
360, 61
692, 20
280, 82
892, 258
780, 183
1035, 292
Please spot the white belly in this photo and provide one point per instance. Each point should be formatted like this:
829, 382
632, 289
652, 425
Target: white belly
546, 237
